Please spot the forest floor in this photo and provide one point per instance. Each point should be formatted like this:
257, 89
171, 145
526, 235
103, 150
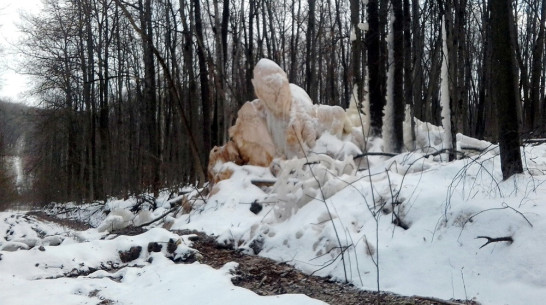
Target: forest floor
267, 277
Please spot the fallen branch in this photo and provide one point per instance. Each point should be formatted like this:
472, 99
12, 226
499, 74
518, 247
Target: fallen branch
263, 182
495, 240
504, 206
374, 154
534, 142
443, 151
160, 217
141, 199
478, 149
436, 153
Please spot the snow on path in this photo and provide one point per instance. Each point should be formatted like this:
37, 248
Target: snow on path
38, 275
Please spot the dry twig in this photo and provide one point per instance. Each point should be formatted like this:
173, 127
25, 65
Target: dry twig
495, 240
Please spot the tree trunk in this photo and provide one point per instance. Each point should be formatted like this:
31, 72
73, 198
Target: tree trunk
503, 87
408, 77
534, 112
417, 73
310, 55
149, 96
356, 52
206, 103
375, 64
398, 85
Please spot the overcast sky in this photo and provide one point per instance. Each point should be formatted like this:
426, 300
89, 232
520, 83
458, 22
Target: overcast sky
12, 84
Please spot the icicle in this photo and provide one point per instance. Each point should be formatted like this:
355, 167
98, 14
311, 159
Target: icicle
366, 102
388, 132
409, 142
353, 35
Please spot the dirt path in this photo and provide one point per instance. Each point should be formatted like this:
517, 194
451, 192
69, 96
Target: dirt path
69, 223
268, 277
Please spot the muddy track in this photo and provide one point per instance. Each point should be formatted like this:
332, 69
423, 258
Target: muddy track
267, 277
69, 223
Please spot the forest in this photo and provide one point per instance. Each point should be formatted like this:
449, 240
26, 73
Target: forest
134, 94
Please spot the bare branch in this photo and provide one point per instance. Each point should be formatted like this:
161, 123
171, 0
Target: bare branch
495, 240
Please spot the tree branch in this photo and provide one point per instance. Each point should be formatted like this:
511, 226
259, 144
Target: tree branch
495, 240
160, 217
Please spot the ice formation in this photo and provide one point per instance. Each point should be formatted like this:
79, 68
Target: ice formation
444, 98
283, 123
388, 118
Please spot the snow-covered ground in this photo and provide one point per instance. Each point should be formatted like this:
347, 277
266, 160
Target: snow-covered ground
443, 207
48, 272
415, 219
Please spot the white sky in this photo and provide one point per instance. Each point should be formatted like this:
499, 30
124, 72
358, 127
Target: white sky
12, 84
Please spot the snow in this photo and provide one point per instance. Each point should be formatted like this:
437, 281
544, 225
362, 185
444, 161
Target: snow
364, 26
443, 206
30, 277
413, 221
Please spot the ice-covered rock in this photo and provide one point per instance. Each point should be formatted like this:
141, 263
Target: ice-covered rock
53, 240
302, 180
117, 219
12, 246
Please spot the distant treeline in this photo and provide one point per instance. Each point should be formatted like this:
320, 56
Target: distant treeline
135, 93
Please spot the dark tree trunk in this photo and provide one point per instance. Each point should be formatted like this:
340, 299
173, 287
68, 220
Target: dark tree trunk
190, 86
250, 50
417, 54
534, 113
503, 87
346, 87
375, 64
310, 78
205, 90
398, 81
485, 82
149, 96
408, 71
356, 53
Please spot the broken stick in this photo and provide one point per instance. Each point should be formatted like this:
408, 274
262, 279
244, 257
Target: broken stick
494, 240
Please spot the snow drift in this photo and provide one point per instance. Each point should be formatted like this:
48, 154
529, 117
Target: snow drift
414, 219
